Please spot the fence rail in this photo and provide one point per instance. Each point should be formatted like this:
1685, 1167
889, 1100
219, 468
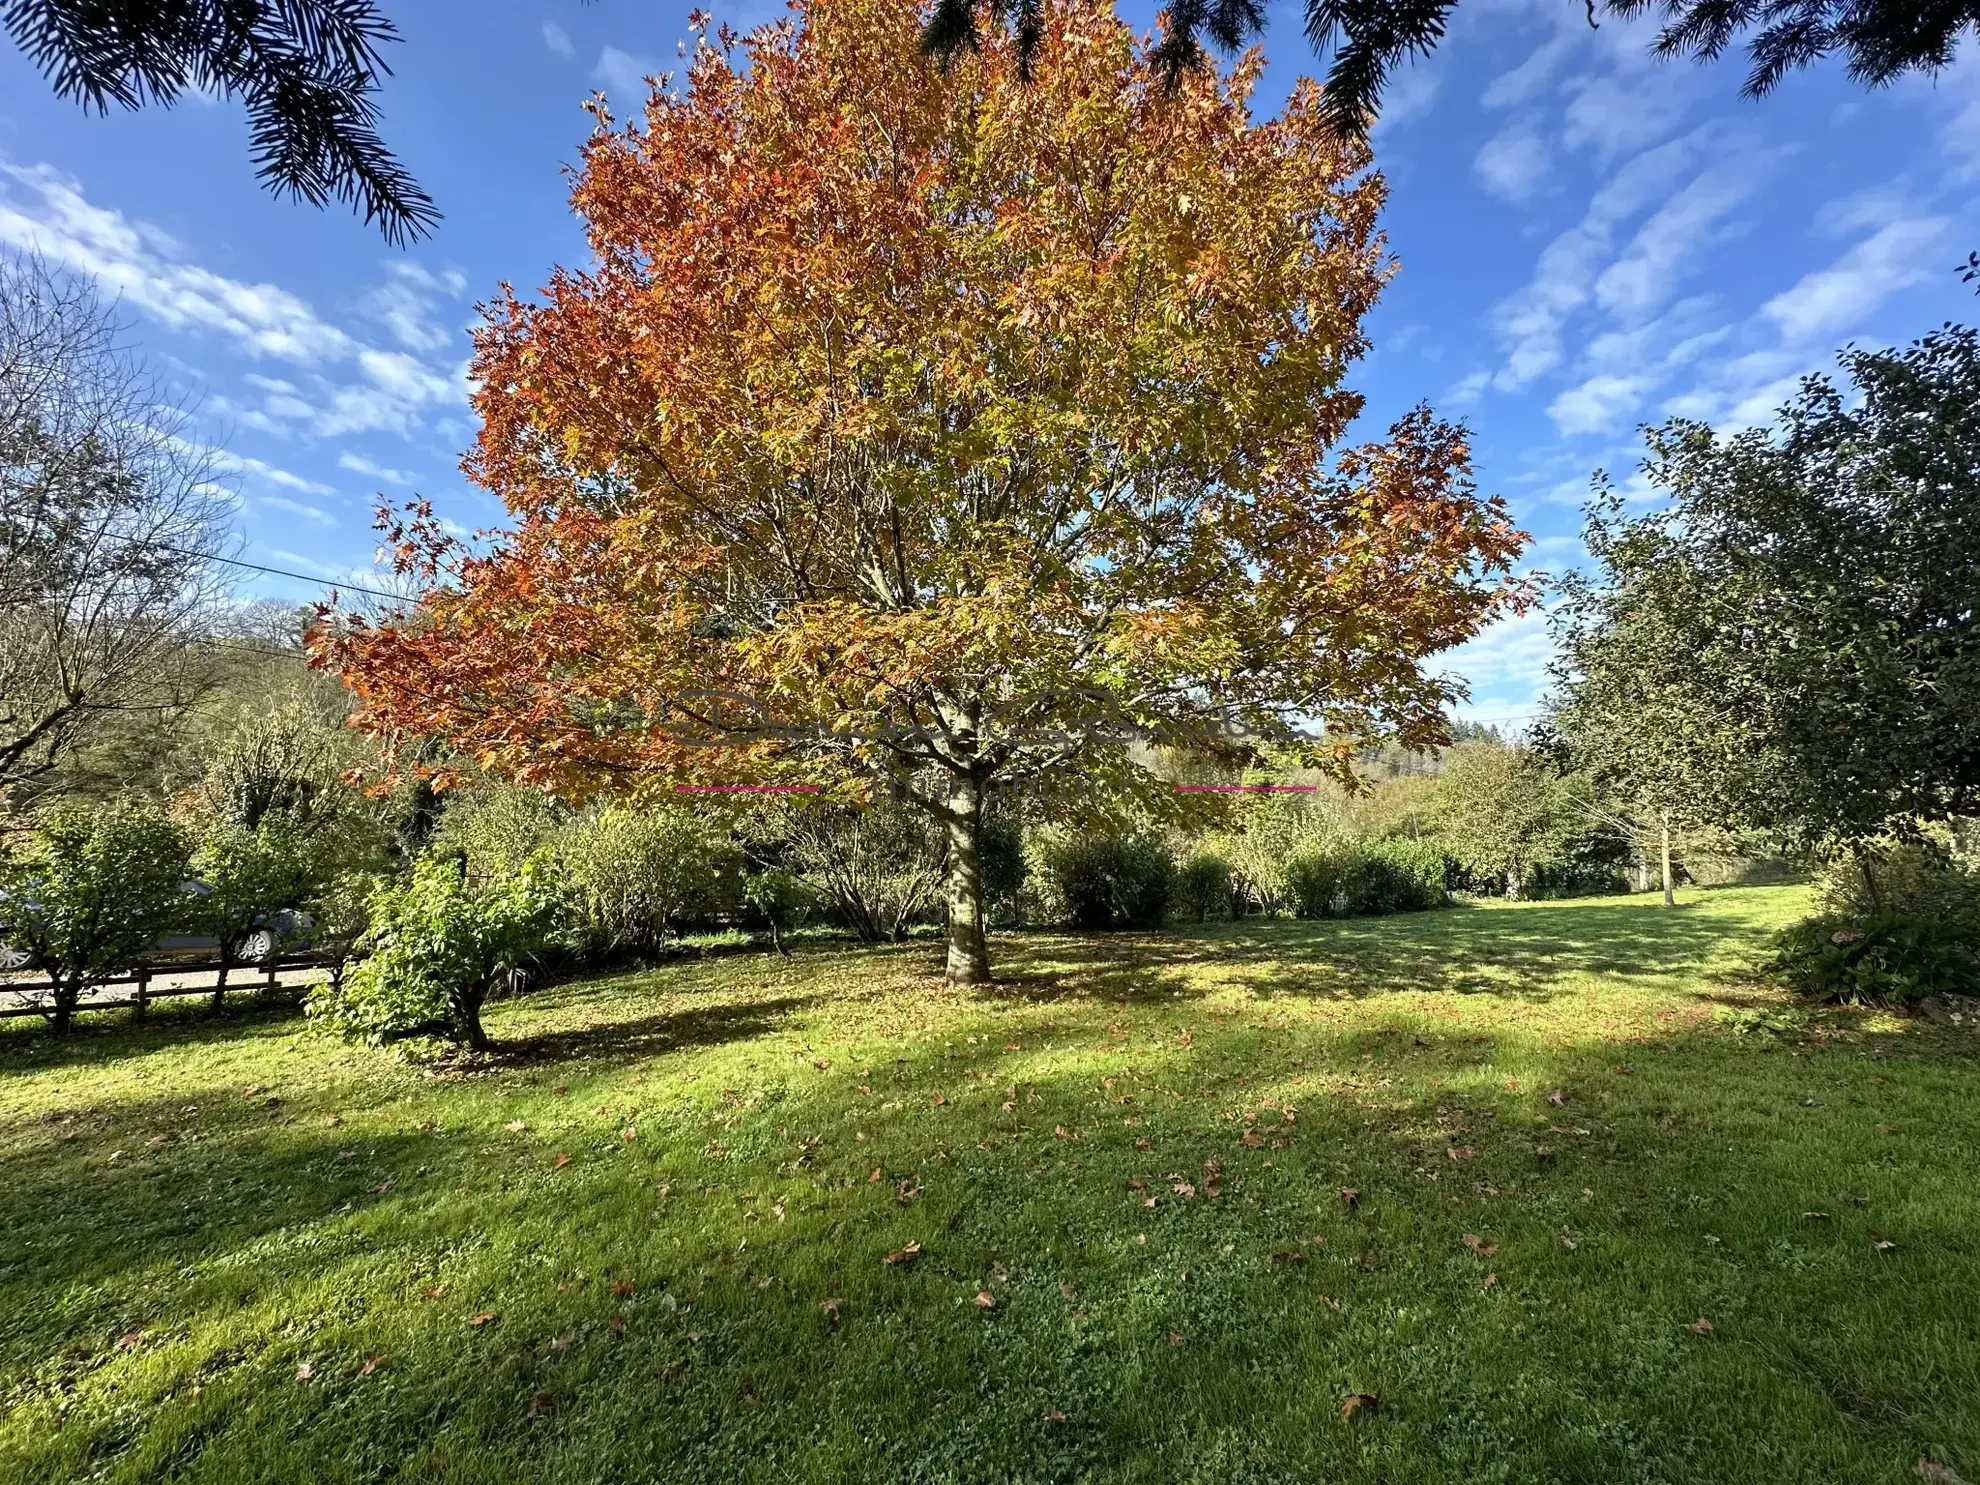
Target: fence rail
35, 997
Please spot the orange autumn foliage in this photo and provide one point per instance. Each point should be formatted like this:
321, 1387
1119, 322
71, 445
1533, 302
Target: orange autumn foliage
891, 394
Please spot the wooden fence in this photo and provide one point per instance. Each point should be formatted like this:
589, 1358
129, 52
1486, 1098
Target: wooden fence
34, 997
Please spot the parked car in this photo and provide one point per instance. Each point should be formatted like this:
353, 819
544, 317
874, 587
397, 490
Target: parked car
275, 933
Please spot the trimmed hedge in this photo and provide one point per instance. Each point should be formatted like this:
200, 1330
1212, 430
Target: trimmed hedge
1368, 880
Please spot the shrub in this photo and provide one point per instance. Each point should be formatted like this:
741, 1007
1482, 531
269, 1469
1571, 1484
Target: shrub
98, 888
780, 899
880, 865
249, 874
1204, 885
633, 874
1111, 881
438, 946
1368, 880
1905, 879
1881, 960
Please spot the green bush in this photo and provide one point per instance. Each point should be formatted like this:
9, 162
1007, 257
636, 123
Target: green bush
1905, 879
95, 891
1110, 881
780, 899
437, 947
1204, 886
633, 874
1881, 960
1368, 880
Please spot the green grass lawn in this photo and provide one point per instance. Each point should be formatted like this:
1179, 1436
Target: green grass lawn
651, 1240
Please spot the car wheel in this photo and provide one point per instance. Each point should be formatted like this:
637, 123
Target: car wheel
15, 958
258, 947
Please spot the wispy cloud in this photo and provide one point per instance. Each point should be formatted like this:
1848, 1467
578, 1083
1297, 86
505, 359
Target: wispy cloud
1513, 164
555, 38
297, 508
358, 464
623, 75
43, 210
1839, 297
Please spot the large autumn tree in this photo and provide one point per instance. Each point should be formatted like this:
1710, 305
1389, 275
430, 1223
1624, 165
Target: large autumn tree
967, 425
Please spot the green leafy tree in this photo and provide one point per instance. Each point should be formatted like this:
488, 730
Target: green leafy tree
1503, 812
633, 873
781, 897
1793, 643
250, 874
95, 891
438, 946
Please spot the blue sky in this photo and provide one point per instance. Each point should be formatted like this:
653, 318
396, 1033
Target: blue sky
1589, 239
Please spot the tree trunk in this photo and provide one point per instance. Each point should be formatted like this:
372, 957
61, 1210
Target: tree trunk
469, 1004
66, 996
1670, 894
1512, 882
220, 978
969, 952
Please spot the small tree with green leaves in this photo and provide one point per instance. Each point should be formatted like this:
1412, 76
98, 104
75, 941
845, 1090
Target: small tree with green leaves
782, 900
1502, 812
438, 946
250, 874
95, 891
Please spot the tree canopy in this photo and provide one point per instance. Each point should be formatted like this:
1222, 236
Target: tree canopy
1794, 642
966, 425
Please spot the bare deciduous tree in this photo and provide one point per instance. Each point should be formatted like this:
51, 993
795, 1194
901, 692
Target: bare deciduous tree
110, 518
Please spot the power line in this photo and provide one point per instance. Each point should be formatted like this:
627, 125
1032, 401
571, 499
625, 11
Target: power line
301, 577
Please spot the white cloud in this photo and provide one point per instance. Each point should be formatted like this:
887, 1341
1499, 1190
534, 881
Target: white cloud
1513, 164
224, 461
1676, 236
1527, 80
45, 211
1506, 666
1840, 297
358, 464
296, 507
1611, 116
555, 38
623, 74
404, 305
1598, 404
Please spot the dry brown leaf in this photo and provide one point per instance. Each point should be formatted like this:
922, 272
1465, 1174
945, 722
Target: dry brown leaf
1478, 1245
903, 1255
1251, 1138
130, 1340
542, 1404
1066, 1291
371, 1364
629, 1133
873, 1176
435, 1292
560, 1162
830, 1307
477, 1321
1175, 1338
304, 1371
985, 1300
1557, 1098
515, 1126
1349, 1196
1700, 1326
1814, 1216
1931, 1469
1360, 1402
1053, 1415
622, 1288
1459, 1152
938, 1100
1491, 1279
1330, 1302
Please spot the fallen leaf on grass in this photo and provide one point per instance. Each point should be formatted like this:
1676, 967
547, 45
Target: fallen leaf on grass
873, 1176
515, 1126
903, 1255
1369, 1261
622, 1288
1291, 1255
938, 1100
381, 1188
1053, 1415
1931, 1469
1459, 1152
1814, 1216
985, 1300
130, 1340
1251, 1138
618, 1324
1066, 1291
1360, 1402
1142, 1144
482, 1319
1700, 1326
1175, 1338
304, 1371
1135, 1185
830, 1308
1557, 1098
1349, 1196
560, 1162
629, 1133
1330, 1302
542, 1404
371, 1364
333, 1121
905, 1191
1478, 1245
435, 1292
1491, 1279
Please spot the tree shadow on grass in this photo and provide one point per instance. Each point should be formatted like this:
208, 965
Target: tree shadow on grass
1530, 952
654, 1035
